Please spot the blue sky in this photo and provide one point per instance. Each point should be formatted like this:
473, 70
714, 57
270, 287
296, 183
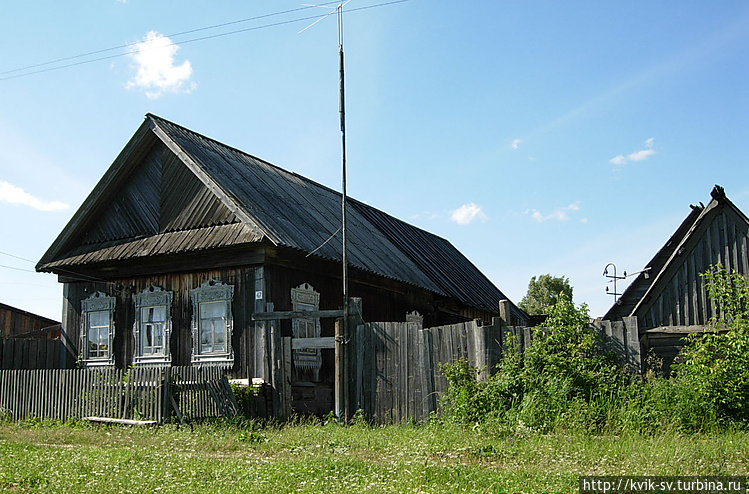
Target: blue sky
538, 137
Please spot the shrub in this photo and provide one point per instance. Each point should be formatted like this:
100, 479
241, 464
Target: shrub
559, 375
716, 363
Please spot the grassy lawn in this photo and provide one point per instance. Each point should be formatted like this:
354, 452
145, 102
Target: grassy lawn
328, 458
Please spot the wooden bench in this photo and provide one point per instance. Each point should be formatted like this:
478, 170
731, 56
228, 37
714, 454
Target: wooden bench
108, 420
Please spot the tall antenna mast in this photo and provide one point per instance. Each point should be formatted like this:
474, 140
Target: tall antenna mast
344, 261
341, 386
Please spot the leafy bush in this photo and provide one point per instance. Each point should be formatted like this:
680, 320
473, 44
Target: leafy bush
245, 396
563, 382
716, 363
561, 374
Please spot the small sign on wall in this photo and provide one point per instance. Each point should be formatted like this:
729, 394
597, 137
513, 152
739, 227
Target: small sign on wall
258, 295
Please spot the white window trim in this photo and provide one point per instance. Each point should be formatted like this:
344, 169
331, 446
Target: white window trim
306, 360
212, 291
97, 302
152, 297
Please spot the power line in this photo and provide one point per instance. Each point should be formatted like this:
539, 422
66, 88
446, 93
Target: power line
183, 42
128, 45
17, 269
17, 257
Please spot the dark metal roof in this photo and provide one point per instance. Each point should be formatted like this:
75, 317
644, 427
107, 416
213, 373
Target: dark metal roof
242, 199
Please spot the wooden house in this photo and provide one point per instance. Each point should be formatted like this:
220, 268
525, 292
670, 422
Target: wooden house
668, 299
16, 323
185, 240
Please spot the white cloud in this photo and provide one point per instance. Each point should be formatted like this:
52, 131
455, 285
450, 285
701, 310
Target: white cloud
15, 195
516, 143
467, 213
559, 214
156, 70
640, 155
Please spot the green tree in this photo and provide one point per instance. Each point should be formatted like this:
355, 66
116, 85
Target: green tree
544, 292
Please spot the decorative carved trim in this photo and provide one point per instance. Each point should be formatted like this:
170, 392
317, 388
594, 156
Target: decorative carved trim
153, 296
97, 302
415, 318
306, 359
212, 291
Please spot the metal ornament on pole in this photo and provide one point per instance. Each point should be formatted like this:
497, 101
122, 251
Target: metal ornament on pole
613, 278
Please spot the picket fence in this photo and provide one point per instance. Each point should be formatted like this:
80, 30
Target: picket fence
144, 394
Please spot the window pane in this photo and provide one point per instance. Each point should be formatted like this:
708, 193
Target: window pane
219, 336
154, 314
213, 327
98, 318
152, 330
98, 334
210, 310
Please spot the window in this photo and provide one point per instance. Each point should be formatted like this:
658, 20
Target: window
212, 322
153, 326
307, 361
97, 332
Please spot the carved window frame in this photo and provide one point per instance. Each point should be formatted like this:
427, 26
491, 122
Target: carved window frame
97, 303
306, 360
153, 297
212, 292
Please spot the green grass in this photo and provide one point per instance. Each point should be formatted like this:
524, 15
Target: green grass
303, 457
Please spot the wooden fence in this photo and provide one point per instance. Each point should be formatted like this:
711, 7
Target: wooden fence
34, 353
396, 366
153, 394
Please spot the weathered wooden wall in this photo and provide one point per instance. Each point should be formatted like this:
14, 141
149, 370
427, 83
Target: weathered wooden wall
123, 290
396, 372
665, 342
682, 296
396, 366
15, 322
33, 353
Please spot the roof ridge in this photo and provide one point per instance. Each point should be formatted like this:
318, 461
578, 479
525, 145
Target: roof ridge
245, 153
295, 174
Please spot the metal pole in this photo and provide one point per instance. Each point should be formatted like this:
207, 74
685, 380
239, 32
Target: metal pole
341, 384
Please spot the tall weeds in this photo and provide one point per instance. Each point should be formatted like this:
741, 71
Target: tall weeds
562, 382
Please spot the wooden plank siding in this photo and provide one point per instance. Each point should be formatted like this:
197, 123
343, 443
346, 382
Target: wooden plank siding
16, 322
123, 290
683, 300
34, 353
671, 290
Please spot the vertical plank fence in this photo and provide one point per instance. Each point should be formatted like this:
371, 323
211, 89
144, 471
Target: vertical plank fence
34, 353
396, 374
148, 393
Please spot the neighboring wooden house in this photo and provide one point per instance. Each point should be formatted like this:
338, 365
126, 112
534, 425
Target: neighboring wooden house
19, 323
669, 298
29, 341
184, 240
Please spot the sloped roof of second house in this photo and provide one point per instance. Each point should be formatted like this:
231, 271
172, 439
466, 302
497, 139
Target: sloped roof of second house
668, 256
270, 204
